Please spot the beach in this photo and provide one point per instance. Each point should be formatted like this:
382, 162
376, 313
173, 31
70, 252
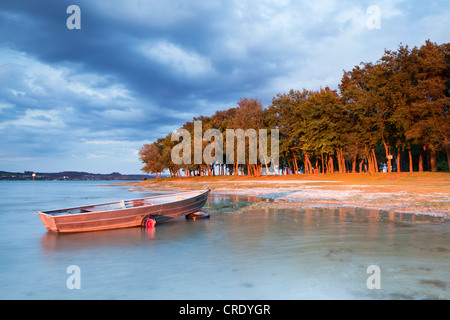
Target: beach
419, 192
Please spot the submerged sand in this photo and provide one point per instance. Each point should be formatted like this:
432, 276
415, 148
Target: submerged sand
424, 193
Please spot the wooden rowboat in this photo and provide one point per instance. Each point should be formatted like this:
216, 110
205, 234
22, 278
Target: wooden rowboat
124, 214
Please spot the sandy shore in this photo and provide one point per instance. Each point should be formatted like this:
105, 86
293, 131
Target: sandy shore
420, 193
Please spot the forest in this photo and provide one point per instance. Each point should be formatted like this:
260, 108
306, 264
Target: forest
388, 116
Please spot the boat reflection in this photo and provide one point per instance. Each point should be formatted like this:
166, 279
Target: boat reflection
173, 230
51, 241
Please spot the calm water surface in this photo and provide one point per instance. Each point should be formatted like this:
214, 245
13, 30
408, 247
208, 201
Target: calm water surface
237, 254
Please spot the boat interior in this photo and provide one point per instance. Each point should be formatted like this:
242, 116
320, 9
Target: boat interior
124, 204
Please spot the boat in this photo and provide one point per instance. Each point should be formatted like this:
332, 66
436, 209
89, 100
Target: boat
144, 212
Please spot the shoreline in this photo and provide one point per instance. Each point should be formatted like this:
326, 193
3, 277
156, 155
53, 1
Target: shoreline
414, 193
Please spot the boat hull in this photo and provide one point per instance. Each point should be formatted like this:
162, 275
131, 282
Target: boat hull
185, 203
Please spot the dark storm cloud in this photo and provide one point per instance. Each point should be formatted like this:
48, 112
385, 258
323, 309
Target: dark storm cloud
108, 45
165, 92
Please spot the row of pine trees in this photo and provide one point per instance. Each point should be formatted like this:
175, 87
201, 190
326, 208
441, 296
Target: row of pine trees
392, 115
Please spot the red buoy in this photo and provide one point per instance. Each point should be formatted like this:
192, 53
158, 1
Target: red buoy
149, 222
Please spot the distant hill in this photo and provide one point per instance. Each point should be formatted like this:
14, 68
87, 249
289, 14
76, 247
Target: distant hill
71, 175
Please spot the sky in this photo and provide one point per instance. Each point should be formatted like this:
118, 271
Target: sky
87, 99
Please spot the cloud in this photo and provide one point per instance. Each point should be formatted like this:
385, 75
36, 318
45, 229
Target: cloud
37, 119
175, 58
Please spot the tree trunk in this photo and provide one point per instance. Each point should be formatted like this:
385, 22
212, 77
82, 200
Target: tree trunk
208, 169
375, 164
267, 168
295, 165
343, 162
388, 153
410, 161
448, 158
399, 169
338, 155
371, 166
354, 165
308, 166
421, 156
322, 169
420, 163
330, 165
432, 158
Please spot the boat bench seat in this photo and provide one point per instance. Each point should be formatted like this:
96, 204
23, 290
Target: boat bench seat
131, 204
140, 203
92, 209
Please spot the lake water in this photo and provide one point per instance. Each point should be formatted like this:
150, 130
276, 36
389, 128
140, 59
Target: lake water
258, 253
